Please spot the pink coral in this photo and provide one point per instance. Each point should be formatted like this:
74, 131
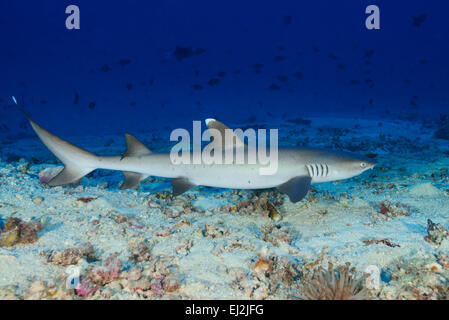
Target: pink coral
157, 286
108, 272
85, 290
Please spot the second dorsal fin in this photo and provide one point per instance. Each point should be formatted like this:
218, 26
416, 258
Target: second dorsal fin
217, 125
134, 147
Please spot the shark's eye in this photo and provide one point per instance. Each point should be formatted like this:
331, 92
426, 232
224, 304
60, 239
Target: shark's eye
363, 164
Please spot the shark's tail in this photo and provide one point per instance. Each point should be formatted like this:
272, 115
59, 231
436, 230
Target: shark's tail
77, 162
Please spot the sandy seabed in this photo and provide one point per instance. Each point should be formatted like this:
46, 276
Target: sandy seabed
229, 244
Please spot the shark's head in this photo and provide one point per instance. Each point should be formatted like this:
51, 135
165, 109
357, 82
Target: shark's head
347, 165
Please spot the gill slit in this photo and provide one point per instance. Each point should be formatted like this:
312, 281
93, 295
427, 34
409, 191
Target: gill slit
318, 170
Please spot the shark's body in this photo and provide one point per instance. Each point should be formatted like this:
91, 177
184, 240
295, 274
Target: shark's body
315, 163
297, 168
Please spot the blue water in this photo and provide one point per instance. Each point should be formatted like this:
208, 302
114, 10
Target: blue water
318, 59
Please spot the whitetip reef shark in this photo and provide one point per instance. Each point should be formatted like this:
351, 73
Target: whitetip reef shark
297, 168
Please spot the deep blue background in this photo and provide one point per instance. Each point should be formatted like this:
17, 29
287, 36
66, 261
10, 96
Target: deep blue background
44, 64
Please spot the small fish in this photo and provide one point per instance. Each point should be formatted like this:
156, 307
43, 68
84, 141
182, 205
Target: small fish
279, 58
414, 101
201, 50
300, 121
258, 68
251, 119
4, 128
76, 98
282, 78
124, 62
299, 75
418, 20
105, 68
369, 82
369, 53
181, 53
213, 81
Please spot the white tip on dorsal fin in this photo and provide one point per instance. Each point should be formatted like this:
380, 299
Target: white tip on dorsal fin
217, 125
134, 147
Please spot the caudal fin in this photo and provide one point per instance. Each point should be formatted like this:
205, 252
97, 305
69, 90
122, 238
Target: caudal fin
77, 161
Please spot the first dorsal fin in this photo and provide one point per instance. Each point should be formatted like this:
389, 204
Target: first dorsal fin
217, 125
134, 147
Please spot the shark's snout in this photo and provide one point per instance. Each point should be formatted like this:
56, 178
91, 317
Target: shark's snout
367, 163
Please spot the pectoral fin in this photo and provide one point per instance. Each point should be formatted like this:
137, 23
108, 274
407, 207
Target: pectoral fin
296, 188
180, 185
131, 179
69, 175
